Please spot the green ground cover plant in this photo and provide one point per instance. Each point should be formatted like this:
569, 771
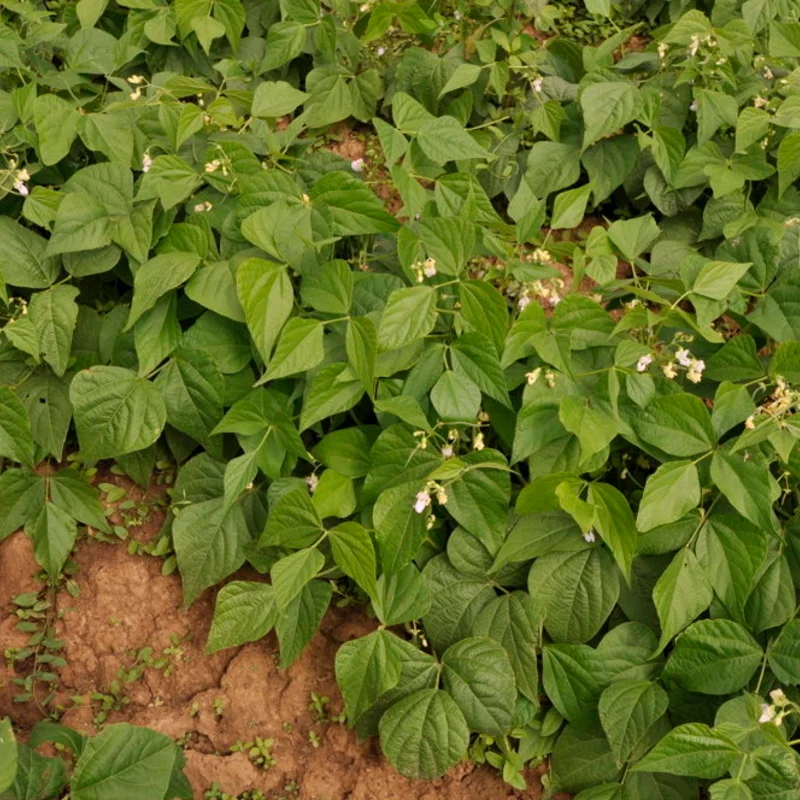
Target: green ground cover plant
572, 512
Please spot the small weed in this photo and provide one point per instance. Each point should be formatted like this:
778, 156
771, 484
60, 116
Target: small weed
219, 707
319, 705
259, 751
313, 739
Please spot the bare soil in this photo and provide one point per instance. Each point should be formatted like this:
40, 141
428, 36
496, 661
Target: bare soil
211, 702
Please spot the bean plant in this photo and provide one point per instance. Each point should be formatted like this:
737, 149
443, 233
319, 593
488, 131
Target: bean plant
519, 380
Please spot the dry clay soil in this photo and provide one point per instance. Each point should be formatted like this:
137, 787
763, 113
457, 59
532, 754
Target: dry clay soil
125, 604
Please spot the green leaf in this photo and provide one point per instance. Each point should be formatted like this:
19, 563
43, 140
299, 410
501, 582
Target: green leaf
354, 555
693, 749
570, 206
244, 612
399, 529
265, 293
8, 754
784, 654
424, 734
444, 139
293, 521
449, 241
56, 123
456, 398
192, 390
300, 348
628, 711
355, 209
512, 622
405, 408
292, 573
745, 484
54, 313
477, 674
484, 310
574, 592
334, 495
463, 76
361, 343
124, 760
788, 161
716, 279
72, 494
23, 259
594, 428
474, 356
328, 287
156, 277
632, 237
53, 533
366, 668
606, 107
582, 758
409, 315
681, 594
38, 777
209, 544
670, 492
714, 656
16, 440
326, 395
678, 424
614, 521
157, 334
401, 596
300, 621
21, 498
275, 99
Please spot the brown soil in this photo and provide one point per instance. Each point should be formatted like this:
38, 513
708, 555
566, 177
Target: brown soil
125, 604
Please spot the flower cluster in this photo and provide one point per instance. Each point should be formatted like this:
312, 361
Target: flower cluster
424, 269
697, 41
776, 711
423, 498
694, 366
782, 400
20, 177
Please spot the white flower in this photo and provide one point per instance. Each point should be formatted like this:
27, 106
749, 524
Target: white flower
135, 80
541, 256
695, 374
147, 162
759, 102
684, 358
213, 166
537, 85
429, 267
21, 188
312, 480
431, 521
452, 435
533, 376
669, 370
447, 451
589, 536
553, 300
381, 51
457, 15
441, 495
693, 105
137, 94
201, 208
663, 49
22, 175
767, 713
750, 423
778, 696
422, 502
357, 165
524, 302
550, 377
477, 441
644, 362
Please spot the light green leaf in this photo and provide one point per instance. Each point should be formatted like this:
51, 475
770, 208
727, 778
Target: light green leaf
300, 621
53, 534
745, 484
678, 424
444, 139
606, 107
401, 596
361, 343
409, 315
670, 492
300, 348
326, 395
354, 555
614, 521
22, 257
209, 544
569, 207
456, 398
8, 754
681, 594
292, 573
245, 611
56, 122
72, 494
158, 276
265, 293
717, 278
54, 313
275, 99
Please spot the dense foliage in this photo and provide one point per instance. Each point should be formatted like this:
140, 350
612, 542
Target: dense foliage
558, 466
